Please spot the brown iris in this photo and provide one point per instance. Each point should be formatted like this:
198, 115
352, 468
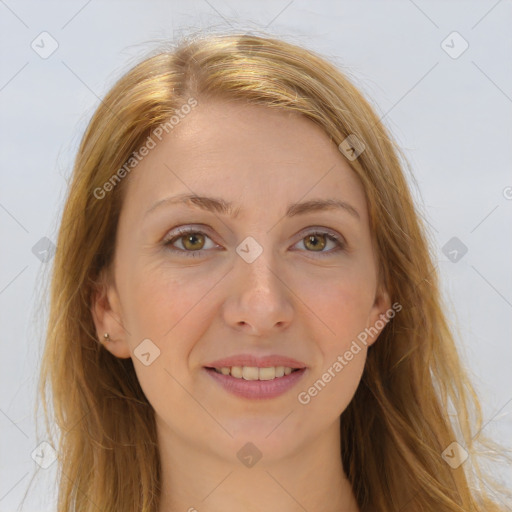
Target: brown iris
313, 240
190, 241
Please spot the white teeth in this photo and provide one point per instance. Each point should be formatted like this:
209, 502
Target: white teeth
236, 371
250, 373
254, 373
267, 373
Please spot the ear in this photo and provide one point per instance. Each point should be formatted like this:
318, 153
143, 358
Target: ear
379, 314
107, 317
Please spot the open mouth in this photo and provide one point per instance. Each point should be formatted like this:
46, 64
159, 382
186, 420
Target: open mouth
252, 382
255, 373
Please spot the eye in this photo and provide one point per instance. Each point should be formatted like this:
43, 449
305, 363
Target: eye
191, 240
316, 241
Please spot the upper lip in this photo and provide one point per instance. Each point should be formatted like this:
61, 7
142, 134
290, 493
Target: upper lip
256, 361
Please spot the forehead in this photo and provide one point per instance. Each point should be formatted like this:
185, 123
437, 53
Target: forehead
248, 131
244, 153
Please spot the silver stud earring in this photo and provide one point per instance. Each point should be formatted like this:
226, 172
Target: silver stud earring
107, 336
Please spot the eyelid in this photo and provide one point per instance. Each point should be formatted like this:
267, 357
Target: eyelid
204, 230
312, 230
329, 234
181, 232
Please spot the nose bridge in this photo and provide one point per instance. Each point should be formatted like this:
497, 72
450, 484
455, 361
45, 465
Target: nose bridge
259, 297
257, 263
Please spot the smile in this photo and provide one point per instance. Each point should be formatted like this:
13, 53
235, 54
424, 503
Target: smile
255, 373
256, 383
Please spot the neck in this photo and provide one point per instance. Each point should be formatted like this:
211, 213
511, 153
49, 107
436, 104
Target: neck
195, 478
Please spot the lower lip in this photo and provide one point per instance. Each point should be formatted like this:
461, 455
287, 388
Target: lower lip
257, 389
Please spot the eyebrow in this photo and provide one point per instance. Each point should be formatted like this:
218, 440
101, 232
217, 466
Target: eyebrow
216, 205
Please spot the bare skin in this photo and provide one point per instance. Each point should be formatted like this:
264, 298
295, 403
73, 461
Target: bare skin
302, 297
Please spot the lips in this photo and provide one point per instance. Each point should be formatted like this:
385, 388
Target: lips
256, 377
256, 361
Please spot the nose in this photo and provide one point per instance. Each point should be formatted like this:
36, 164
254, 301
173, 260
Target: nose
259, 301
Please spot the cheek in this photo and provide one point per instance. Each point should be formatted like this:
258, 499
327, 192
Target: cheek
344, 308
171, 308
167, 306
342, 304
325, 397
163, 302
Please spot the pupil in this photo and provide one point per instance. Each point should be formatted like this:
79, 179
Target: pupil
311, 240
191, 240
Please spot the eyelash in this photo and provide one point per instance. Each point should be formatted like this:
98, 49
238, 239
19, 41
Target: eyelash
180, 233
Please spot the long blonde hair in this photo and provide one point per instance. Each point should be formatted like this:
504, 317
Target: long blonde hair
396, 427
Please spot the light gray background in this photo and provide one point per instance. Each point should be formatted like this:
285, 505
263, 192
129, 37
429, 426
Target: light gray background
452, 117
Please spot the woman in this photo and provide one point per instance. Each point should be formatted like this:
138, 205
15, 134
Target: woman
244, 312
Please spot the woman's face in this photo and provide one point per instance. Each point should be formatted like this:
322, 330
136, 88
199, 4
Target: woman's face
258, 281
